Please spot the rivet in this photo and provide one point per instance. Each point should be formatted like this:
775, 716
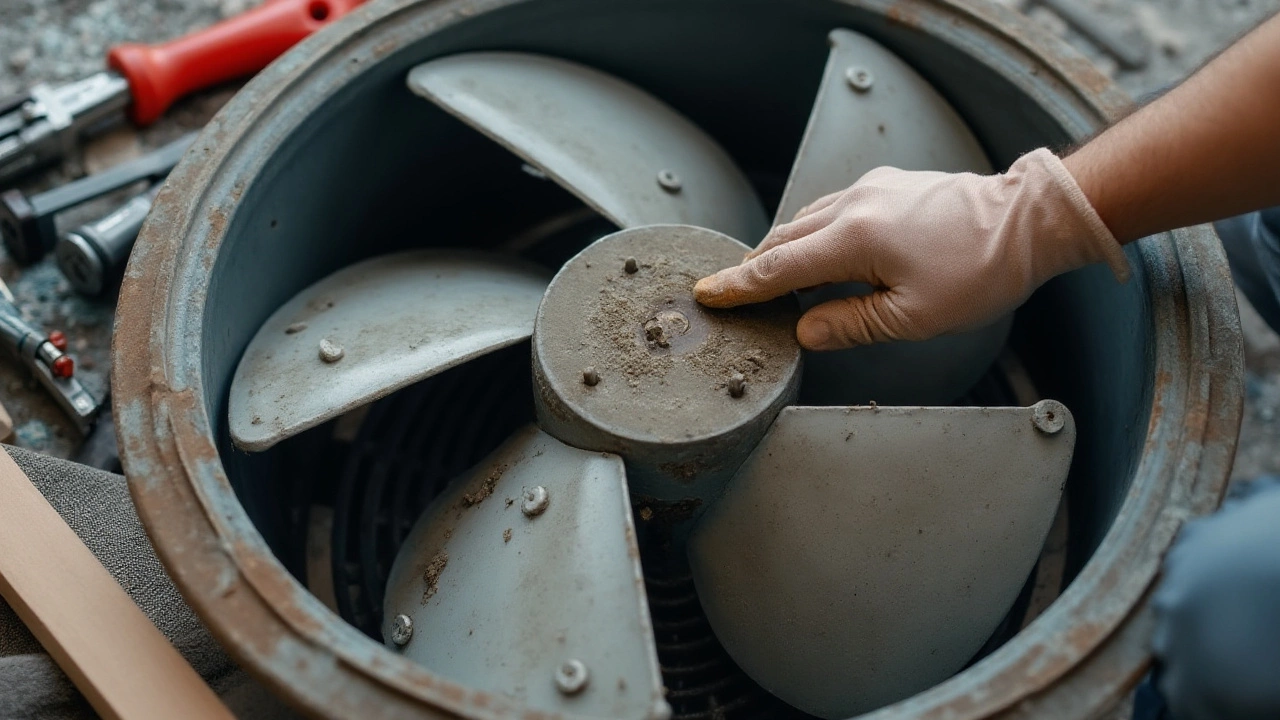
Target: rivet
1049, 416
859, 78
590, 377
401, 630
571, 677
669, 181
737, 385
330, 351
535, 501
630, 266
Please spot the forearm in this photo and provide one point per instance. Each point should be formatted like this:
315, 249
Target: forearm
1208, 149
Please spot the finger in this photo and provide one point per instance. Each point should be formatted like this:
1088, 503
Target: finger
852, 321
784, 268
819, 204
795, 230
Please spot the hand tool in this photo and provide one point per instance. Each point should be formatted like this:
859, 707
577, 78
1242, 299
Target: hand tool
39, 127
27, 223
93, 256
101, 639
45, 354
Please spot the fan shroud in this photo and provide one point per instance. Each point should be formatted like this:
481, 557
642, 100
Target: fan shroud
1065, 315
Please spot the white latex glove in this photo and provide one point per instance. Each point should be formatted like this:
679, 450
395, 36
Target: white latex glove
945, 252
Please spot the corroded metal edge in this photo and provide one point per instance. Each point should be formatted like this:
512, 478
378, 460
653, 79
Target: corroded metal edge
1094, 634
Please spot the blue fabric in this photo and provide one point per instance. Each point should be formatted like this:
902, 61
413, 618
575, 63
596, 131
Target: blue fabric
1252, 243
1217, 638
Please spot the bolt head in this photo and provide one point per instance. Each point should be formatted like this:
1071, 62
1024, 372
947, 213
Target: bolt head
330, 351
401, 630
669, 181
1049, 416
737, 385
590, 377
535, 501
571, 677
859, 78
630, 266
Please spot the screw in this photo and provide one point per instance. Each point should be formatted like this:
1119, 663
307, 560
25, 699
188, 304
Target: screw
330, 351
737, 385
535, 501
1049, 416
630, 266
669, 181
590, 377
571, 677
859, 79
401, 630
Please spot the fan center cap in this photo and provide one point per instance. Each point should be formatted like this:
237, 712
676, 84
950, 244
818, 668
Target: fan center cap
626, 361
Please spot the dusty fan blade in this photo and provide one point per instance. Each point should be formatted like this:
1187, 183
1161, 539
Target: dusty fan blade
872, 110
622, 151
373, 328
861, 555
524, 579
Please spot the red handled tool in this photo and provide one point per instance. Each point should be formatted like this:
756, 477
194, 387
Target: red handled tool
36, 128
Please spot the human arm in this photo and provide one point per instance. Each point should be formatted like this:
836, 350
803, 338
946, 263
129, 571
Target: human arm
950, 252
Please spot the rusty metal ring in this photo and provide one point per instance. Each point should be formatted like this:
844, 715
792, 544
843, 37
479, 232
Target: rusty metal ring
1092, 637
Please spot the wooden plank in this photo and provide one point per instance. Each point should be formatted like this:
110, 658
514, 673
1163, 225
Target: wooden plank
112, 652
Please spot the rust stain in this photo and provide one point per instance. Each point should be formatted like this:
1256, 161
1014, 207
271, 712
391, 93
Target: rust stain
906, 14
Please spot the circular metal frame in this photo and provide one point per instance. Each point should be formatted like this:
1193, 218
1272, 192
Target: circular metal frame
1080, 656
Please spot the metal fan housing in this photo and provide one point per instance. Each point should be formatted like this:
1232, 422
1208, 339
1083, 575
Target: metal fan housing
325, 160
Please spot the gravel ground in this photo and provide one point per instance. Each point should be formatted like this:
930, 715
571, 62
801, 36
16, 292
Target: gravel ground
57, 40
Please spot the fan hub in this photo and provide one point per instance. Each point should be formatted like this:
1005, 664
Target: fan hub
626, 361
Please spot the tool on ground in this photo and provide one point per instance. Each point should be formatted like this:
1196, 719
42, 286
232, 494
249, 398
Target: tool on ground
93, 256
116, 657
27, 222
6, 424
45, 354
38, 127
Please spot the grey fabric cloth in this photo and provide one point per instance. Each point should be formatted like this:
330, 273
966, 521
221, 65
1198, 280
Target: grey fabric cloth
97, 506
1217, 635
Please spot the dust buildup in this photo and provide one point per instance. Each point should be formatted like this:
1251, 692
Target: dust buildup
506, 535
637, 320
486, 488
431, 576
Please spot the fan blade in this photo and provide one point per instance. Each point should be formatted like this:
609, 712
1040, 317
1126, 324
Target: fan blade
622, 151
872, 110
500, 598
861, 555
373, 328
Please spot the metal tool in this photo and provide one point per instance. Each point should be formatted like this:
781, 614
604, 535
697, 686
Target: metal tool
45, 354
93, 256
27, 223
39, 127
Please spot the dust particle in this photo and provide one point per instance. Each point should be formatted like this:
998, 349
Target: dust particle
486, 488
431, 576
506, 535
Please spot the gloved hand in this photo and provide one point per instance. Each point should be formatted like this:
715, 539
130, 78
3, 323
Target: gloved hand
945, 252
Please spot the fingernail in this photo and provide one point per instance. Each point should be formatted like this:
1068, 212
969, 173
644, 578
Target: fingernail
814, 335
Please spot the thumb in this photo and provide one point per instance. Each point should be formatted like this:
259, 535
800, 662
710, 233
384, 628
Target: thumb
851, 321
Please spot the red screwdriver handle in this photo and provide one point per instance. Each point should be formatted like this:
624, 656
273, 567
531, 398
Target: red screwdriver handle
238, 46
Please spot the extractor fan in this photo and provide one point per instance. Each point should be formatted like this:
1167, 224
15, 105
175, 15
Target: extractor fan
846, 556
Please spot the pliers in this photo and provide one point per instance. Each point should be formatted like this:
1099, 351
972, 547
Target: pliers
39, 127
